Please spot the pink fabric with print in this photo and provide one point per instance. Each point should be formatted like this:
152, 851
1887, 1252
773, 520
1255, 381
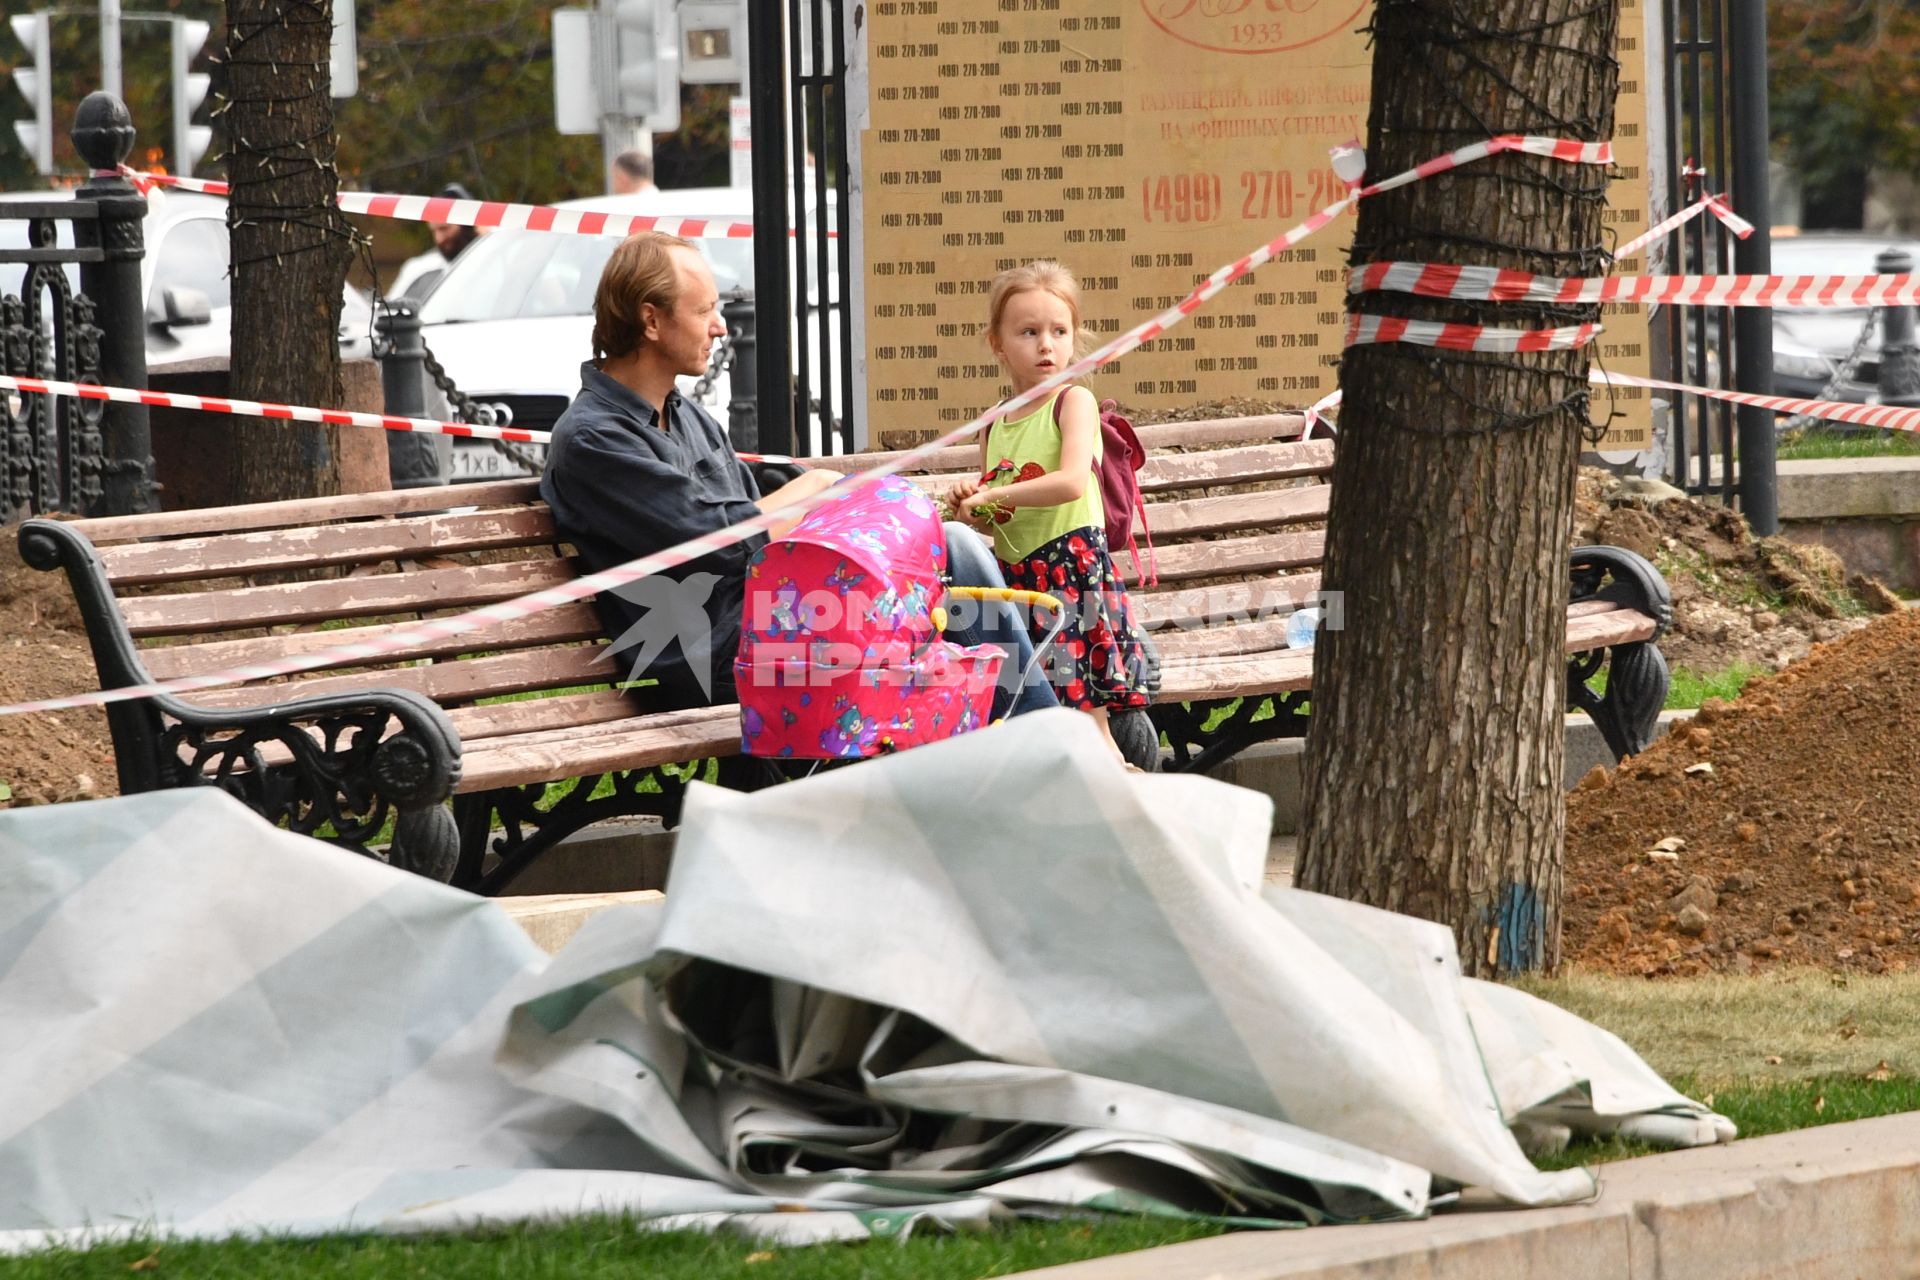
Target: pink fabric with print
839, 656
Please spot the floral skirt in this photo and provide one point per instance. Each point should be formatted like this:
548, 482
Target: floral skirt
1097, 660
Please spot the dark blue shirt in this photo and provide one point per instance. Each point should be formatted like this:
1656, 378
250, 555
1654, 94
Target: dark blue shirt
621, 488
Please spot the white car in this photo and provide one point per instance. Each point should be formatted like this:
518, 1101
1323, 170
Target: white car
184, 275
511, 321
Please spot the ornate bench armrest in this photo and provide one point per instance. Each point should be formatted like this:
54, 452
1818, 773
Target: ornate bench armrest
1628, 713
345, 761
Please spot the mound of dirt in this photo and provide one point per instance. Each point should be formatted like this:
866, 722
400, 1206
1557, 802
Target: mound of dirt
1736, 598
1779, 829
44, 654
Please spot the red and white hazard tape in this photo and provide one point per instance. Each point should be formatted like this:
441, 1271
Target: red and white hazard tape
1316, 414
1884, 416
1551, 148
489, 214
1494, 284
412, 635
298, 413
1717, 205
1364, 329
281, 412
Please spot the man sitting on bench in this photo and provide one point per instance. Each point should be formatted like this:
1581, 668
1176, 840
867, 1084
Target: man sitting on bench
634, 467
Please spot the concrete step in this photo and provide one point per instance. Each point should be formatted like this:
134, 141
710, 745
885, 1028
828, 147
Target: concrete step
552, 919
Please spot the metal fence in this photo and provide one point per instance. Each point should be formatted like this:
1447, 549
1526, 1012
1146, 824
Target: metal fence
801, 180
1715, 140
76, 313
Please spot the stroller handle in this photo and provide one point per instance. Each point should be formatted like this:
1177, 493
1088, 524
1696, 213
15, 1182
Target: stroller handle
1013, 595
1010, 594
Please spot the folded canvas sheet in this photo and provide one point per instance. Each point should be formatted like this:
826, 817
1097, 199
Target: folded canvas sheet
993, 974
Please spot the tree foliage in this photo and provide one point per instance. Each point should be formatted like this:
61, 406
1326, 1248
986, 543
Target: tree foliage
448, 93
1845, 97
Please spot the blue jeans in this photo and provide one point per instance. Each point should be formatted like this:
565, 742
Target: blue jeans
971, 564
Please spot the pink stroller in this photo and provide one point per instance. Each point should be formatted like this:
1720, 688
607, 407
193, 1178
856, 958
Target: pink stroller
840, 649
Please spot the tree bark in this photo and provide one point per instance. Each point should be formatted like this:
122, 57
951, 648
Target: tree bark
1434, 763
290, 243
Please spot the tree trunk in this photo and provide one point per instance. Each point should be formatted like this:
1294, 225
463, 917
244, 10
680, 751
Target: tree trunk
290, 243
1434, 763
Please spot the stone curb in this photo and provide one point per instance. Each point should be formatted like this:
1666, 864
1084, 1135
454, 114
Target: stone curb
1835, 1203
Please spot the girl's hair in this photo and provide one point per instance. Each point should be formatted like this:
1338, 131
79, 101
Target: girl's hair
641, 270
1047, 276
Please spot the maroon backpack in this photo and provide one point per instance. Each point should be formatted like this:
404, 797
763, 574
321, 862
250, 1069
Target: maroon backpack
1121, 456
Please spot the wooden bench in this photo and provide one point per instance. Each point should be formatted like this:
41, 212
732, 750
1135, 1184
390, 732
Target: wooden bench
1232, 506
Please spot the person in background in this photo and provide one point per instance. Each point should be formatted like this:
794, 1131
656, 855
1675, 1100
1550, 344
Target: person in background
632, 173
418, 274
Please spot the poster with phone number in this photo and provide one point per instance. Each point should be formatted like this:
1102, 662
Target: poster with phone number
1144, 143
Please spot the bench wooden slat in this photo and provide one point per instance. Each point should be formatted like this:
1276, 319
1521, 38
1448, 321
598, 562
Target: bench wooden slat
1600, 630
448, 683
530, 715
304, 511
1267, 634
1198, 606
1203, 679
1254, 553
507, 762
564, 736
568, 622
354, 597
1197, 678
1158, 435
1250, 464
1231, 512
1253, 464
1177, 644
361, 542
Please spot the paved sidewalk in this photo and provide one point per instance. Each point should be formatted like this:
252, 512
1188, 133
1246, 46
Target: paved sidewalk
1840, 1202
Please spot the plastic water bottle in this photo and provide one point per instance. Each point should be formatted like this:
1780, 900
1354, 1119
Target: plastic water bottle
1301, 625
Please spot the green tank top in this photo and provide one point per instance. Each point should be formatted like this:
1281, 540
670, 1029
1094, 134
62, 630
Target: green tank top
1030, 440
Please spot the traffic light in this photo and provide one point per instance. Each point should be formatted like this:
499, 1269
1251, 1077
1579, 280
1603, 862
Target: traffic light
190, 140
648, 47
36, 81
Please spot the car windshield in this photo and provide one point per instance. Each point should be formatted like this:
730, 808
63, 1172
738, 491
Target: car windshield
519, 275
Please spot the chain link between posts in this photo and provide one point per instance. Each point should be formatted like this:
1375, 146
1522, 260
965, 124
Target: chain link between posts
1842, 373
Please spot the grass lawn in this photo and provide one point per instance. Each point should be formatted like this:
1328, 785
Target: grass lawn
1849, 444
1773, 1052
1729, 1030
615, 1247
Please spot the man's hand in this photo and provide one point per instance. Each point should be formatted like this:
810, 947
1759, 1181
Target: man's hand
803, 486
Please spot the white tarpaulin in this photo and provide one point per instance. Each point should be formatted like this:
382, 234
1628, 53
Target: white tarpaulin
992, 973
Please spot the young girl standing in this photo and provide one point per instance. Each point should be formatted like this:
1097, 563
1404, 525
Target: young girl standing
1038, 499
